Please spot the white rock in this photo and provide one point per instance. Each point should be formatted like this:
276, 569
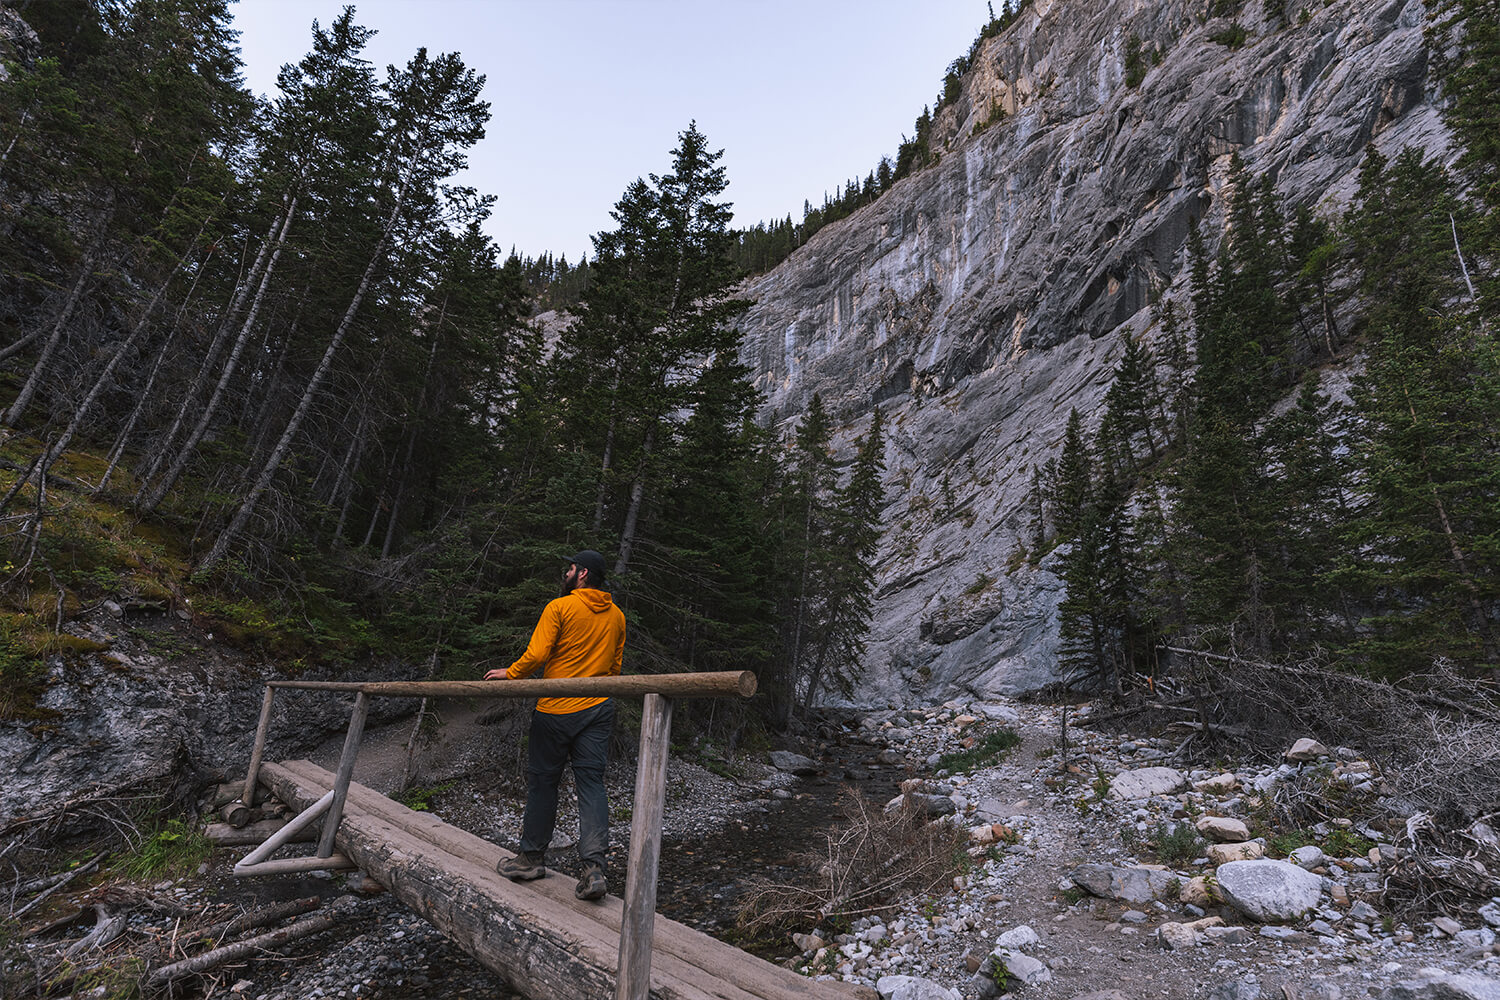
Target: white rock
913, 988
1019, 938
999, 713
1177, 937
1134, 885
1269, 891
1224, 829
1306, 749
1029, 971
1145, 782
1475, 937
1223, 854
1225, 782
1435, 984
1490, 913
1309, 856
1447, 925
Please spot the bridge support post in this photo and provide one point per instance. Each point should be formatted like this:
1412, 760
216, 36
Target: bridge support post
634, 979
345, 773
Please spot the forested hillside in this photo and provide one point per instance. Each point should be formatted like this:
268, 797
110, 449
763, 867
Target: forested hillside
262, 366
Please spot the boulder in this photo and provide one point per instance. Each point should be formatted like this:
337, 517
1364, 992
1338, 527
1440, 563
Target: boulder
1305, 749
998, 713
1308, 856
1145, 782
1223, 829
793, 763
1177, 937
1195, 892
1236, 989
1219, 783
1023, 968
1134, 885
913, 988
1269, 891
1435, 984
1223, 854
1021, 938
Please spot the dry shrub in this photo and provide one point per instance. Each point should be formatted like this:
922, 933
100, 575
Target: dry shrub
867, 865
1435, 738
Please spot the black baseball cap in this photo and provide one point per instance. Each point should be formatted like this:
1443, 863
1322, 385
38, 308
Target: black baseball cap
589, 560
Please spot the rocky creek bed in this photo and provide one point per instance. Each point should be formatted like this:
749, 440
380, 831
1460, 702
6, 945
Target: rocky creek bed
1064, 895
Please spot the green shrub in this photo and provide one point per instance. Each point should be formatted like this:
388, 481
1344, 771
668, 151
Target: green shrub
981, 754
1231, 37
175, 847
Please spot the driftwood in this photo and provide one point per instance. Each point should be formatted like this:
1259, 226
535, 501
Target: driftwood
240, 949
66, 878
257, 918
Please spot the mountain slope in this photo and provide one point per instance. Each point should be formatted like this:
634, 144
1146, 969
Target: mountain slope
981, 298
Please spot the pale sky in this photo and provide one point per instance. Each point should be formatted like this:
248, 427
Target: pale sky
588, 95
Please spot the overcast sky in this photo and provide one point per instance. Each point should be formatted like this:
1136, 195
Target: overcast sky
588, 95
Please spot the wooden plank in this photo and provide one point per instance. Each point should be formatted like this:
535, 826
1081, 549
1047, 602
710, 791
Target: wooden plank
670, 938
634, 981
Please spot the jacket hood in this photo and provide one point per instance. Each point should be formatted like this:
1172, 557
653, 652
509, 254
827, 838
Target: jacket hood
597, 601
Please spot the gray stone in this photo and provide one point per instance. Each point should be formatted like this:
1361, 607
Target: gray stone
913, 988
1434, 984
1227, 935
998, 713
1145, 782
1025, 969
1363, 912
794, 763
1133, 917
1236, 989
1019, 938
1223, 829
1446, 925
1133, 885
1308, 856
1177, 937
1475, 937
1269, 891
1490, 913
1305, 749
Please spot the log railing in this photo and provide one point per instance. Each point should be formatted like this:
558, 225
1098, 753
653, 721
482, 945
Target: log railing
633, 980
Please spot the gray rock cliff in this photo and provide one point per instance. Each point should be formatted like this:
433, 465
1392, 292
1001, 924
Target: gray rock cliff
981, 298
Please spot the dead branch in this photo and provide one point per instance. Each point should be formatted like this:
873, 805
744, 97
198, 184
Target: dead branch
257, 918
240, 949
70, 876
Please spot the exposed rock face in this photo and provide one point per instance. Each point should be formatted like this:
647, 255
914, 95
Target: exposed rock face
982, 298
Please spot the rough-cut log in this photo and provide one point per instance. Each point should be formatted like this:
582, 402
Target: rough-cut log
256, 833
710, 684
240, 949
544, 943
639, 919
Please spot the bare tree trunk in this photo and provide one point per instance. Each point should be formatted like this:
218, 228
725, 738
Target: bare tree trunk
122, 440
154, 497
268, 471
23, 398
633, 512
345, 483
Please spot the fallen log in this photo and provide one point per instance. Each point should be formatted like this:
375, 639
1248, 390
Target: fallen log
240, 949
258, 832
249, 920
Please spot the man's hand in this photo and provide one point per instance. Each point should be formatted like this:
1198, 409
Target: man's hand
497, 675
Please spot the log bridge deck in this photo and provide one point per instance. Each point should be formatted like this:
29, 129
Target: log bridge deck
536, 936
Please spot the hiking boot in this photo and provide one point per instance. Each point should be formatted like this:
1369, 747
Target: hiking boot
523, 867
591, 884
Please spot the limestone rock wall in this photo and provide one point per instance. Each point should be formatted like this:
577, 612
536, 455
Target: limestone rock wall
981, 299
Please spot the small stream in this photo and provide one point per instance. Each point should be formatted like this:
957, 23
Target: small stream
703, 879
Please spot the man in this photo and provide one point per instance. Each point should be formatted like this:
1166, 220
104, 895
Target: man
581, 634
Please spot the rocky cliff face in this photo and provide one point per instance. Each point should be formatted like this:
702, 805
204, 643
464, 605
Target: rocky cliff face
982, 298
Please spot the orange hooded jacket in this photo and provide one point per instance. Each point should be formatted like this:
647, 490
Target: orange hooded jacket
580, 635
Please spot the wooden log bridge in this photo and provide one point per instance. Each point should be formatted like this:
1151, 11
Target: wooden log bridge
536, 936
